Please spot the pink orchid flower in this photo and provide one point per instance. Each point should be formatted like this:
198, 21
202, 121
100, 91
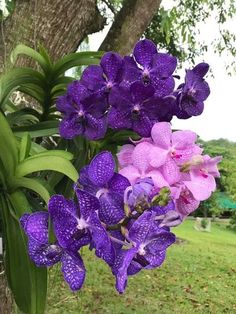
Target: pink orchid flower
202, 178
139, 166
178, 146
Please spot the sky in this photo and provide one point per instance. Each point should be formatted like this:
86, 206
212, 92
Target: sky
218, 119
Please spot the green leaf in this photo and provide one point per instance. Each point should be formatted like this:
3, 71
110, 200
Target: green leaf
22, 49
41, 163
27, 282
25, 146
8, 146
55, 152
17, 77
76, 59
45, 128
31, 184
20, 115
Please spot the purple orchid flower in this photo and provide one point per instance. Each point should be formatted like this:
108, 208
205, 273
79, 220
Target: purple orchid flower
192, 94
135, 108
146, 248
100, 79
74, 229
44, 253
138, 193
100, 179
150, 67
82, 114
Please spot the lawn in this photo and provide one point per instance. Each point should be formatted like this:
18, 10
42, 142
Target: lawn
198, 276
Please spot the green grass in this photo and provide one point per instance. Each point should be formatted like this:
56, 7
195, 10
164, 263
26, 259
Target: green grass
198, 276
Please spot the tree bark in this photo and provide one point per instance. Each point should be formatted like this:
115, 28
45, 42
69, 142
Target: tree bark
59, 26
129, 25
6, 302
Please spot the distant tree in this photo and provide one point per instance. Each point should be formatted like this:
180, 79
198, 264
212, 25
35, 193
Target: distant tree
177, 29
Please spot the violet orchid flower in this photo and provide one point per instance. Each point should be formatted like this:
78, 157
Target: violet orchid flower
44, 253
134, 108
82, 115
76, 228
101, 180
100, 79
147, 243
150, 67
192, 94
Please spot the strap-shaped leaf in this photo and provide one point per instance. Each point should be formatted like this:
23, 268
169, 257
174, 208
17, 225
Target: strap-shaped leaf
76, 59
45, 128
41, 163
8, 146
55, 152
22, 49
25, 146
17, 77
31, 184
27, 282
20, 115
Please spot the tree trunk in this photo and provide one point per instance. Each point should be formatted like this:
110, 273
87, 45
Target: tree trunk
6, 303
58, 25
129, 25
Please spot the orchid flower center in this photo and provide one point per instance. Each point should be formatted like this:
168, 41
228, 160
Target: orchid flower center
52, 251
184, 195
174, 154
82, 224
141, 250
109, 85
101, 192
192, 92
204, 173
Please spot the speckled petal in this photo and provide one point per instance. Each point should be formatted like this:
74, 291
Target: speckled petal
73, 270
140, 227
143, 125
131, 173
144, 51
101, 168
64, 217
101, 241
125, 154
95, 127
120, 267
161, 134
112, 208
92, 78
164, 64
140, 157
44, 254
36, 226
201, 69
112, 65
164, 87
119, 119
70, 127
170, 171
88, 203
118, 184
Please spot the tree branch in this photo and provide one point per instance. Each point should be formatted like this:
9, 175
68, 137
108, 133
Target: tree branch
129, 25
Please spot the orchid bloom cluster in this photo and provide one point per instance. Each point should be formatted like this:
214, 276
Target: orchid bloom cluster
125, 216
133, 93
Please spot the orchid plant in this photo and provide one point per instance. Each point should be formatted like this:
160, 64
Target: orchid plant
138, 178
